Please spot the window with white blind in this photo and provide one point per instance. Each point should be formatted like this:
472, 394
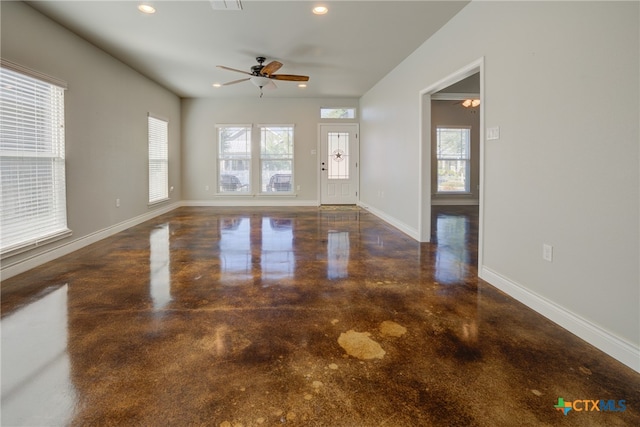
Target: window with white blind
276, 158
454, 159
32, 160
234, 159
158, 160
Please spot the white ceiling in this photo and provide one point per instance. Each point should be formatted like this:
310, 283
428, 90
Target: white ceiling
345, 52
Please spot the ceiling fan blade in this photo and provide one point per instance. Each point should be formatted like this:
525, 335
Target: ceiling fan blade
289, 77
271, 68
233, 69
236, 81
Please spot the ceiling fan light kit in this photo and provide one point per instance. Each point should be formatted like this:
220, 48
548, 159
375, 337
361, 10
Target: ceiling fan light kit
260, 81
262, 76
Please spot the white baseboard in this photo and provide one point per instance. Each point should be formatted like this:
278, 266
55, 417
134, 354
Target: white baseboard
616, 347
412, 232
26, 264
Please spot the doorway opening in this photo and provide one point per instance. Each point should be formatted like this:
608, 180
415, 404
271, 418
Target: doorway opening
444, 90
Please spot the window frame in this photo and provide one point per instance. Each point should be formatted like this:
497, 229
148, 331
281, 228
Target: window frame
44, 140
237, 158
466, 157
158, 153
329, 109
290, 157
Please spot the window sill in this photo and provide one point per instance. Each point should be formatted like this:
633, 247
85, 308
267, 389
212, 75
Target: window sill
251, 196
157, 202
36, 243
278, 194
453, 193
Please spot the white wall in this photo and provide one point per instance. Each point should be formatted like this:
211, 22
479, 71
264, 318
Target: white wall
561, 81
106, 107
199, 117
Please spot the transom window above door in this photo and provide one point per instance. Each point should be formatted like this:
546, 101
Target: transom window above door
337, 113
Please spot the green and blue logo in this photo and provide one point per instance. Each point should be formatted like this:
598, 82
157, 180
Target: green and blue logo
590, 405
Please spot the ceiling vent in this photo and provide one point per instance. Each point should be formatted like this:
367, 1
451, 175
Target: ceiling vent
226, 4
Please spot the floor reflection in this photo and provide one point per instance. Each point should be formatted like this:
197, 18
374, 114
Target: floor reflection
159, 260
235, 248
338, 254
335, 227
35, 363
277, 259
454, 238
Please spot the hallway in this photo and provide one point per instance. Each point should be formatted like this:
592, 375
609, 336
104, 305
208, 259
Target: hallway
290, 316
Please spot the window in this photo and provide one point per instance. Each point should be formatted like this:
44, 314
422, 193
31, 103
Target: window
338, 152
276, 158
453, 157
32, 160
158, 160
234, 159
337, 113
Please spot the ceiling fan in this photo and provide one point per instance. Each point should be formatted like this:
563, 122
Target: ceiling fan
263, 75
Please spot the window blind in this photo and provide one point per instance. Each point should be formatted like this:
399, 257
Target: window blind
158, 160
32, 161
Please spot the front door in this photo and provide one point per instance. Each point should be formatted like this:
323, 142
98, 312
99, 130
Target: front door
339, 151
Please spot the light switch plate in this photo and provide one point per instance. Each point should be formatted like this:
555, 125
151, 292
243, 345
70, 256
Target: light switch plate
493, 133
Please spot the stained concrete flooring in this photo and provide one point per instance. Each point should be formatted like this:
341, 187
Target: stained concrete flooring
291, 316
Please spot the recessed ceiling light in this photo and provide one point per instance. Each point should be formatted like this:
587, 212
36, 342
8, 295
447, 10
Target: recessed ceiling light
216, 85
320, 10
146, 8
302, 85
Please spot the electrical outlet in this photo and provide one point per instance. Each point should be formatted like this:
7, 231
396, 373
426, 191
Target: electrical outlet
547, 252
117, 203
206, 188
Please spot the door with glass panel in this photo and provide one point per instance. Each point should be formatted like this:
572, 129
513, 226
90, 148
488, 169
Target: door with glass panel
339, 173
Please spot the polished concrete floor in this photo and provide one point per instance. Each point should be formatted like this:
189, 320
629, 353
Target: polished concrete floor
291, 316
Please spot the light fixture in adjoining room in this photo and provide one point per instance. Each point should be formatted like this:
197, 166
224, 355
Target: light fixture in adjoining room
146, 8
470, 103
320, 10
